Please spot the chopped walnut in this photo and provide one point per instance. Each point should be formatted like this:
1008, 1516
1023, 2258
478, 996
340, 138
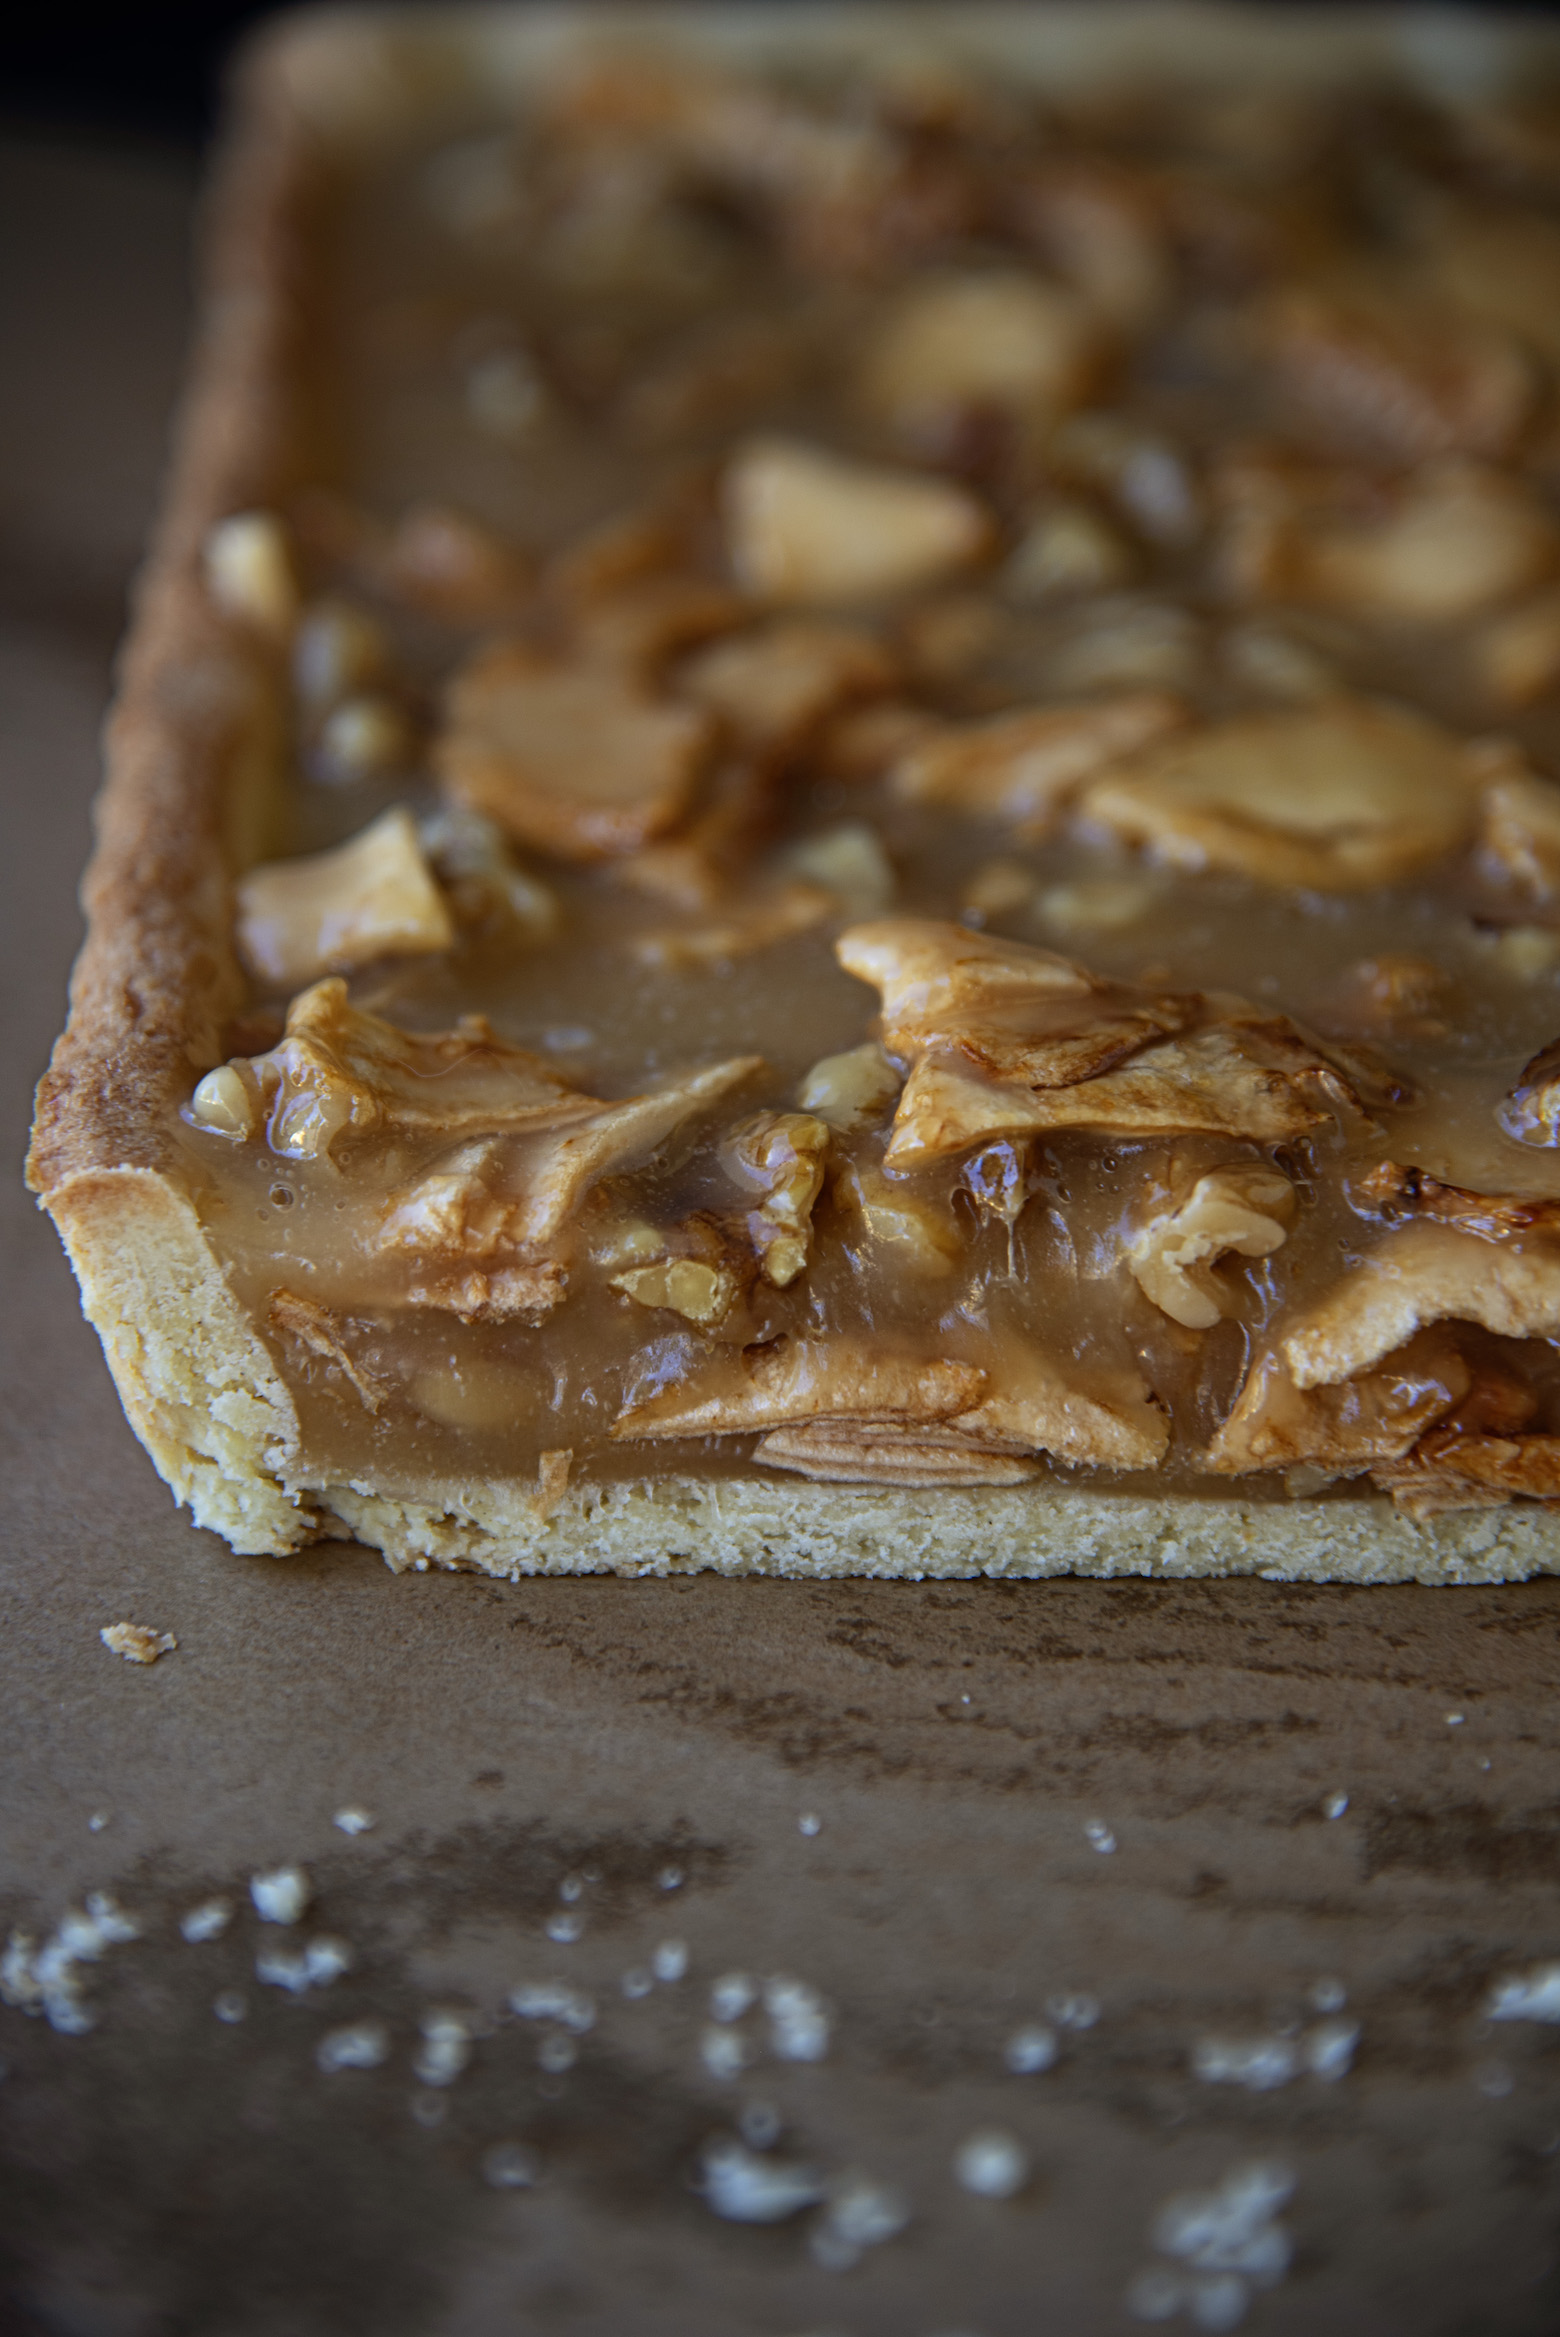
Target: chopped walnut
1424, 1273
848, 861
1346, 1426
1519, 834
1088, 1420
1067, 549
339, 651
701, 1293
772, 688
573, 759
322, 1332
1098, 904
1403, 377
1395, 1194
951, 346
362, 738
1335, 797
1246, 1209
370, 898
481, 877
808, 526
340, 1071
997, 888
780, 1155
1531, 1113
506, 1198
851, 1089
250, 572
788, 1381
1025, 767
440, 560
922, 1238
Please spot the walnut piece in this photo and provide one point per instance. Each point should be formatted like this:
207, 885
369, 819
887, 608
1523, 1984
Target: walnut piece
952, 345
1396, 1194
691, 1287
369, 898
1025, 767
781, 1156
1067, 548
921, 1238
848, 861
574, 759
1332, 797
1246, 1208
341, 1071
803, 525
772, 688
654, 619
443, 561
1519, 830
1517, 654
850, 1089
250, 573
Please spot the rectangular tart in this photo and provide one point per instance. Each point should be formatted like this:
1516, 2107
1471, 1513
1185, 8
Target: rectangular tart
831, 840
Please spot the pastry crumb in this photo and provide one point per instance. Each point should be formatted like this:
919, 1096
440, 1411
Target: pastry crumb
137, 1642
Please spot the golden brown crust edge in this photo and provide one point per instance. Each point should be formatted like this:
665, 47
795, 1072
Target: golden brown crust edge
191, 772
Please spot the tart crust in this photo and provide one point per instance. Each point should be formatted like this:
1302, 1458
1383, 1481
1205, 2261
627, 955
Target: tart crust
193, 771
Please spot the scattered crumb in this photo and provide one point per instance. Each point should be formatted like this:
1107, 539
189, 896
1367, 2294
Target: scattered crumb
859, 2214
553, 2000
637, 1983
556, 2053
98, 1820
509, 2166
429, 2110
1225, 2243
137, 1642
565, 1929
1100, 1836
1329, 2049
745, 2188
992, 2164
282, 1895
46, 1980
809, 1823
353, 1821
230, 2006
723, 2053
1257, 2063
1532, 1996
732, 1995
670, 1878
1078, 2011
207, 1921
446, 2044
798, 2024
1455, 1719
670, 1960
759, 2125
362, 2046
1329, 1996
300, 1969
1030, 2049
1335, 1805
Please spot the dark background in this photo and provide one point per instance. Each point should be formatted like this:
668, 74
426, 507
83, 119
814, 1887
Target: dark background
156, 70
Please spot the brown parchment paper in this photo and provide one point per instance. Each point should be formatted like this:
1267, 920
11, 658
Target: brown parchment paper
172, 2172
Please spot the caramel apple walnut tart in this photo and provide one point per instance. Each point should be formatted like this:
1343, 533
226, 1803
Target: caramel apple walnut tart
833, 834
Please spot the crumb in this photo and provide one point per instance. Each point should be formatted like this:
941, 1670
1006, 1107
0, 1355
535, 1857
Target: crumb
136, 1642
281, 1896
353, 1821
